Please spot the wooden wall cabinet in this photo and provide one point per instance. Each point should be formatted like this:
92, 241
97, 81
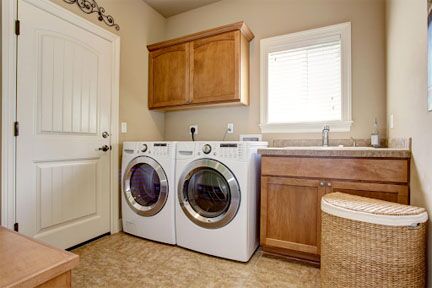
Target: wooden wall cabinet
291, 191
202, 69
169, 75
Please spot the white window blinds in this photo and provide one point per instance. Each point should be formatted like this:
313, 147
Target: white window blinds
304, 84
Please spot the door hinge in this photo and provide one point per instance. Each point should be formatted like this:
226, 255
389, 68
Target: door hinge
17, 27
16, 128
16, 227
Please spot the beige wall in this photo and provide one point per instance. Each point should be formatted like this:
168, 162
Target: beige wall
139, 26
407, 93
268, 18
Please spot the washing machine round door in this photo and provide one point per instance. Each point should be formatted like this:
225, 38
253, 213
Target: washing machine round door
145, 186
209, 193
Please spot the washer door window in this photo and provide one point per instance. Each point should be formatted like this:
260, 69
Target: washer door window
209, 194
145, 186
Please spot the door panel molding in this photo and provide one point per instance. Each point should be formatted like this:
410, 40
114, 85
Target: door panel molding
74, 113
9, 105
55, 189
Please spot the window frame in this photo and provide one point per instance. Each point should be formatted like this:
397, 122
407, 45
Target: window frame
297, 40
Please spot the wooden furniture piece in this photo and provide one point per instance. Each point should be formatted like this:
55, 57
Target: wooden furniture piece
25, 262
292, 187
205, 68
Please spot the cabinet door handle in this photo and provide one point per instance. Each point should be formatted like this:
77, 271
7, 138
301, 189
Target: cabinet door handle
329, 184
322, 183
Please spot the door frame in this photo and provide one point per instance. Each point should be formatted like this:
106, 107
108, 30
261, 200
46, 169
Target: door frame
9, 106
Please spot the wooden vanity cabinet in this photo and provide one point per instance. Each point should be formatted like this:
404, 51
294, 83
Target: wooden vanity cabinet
202, 69
388, 192
292, 187
290, 216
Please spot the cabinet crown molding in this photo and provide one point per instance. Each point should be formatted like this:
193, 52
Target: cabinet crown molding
238, 26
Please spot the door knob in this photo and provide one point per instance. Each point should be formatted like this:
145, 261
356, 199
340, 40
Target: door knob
105, 134
104, 148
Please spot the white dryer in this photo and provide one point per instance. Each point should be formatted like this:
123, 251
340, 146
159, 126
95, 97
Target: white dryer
148, 194
217, 198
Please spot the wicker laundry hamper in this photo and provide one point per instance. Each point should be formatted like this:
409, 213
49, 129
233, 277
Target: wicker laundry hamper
371, 243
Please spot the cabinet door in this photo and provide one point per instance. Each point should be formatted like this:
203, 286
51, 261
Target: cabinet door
215, 64
290, 215
388, 192
169, 76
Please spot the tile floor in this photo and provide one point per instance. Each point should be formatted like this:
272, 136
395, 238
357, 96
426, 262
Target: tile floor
121, 260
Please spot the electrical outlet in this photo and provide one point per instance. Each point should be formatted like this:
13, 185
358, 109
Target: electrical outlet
230, 128
193, 126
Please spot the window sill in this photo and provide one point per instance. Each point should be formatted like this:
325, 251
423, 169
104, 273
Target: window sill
339, 126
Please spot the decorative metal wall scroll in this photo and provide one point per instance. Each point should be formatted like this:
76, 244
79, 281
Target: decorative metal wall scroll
90, 6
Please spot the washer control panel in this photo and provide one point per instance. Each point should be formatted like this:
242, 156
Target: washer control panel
222, 150
207, 149
231, 151
155, 149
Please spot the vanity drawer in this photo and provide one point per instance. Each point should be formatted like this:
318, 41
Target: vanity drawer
358, 169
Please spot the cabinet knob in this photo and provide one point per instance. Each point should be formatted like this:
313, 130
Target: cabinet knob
328, 184
322, 183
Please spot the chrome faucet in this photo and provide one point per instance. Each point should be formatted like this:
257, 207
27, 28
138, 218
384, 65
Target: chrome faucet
325, 136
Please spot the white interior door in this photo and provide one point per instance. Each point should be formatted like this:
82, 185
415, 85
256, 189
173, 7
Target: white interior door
63, 107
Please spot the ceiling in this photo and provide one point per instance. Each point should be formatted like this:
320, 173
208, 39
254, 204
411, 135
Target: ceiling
172, 7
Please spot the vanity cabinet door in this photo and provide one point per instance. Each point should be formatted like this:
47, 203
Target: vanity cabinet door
290, 216
169, 76
215, 68
398, 193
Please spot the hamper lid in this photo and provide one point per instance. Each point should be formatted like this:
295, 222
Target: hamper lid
372, 210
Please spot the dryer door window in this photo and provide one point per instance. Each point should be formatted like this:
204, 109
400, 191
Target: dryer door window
209, 194
145, 186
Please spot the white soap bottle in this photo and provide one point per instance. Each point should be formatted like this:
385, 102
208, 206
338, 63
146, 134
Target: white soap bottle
375, 141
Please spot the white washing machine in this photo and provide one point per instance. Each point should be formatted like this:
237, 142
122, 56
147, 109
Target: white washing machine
217, 209
148, 194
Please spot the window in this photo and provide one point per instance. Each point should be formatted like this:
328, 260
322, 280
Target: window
306, 81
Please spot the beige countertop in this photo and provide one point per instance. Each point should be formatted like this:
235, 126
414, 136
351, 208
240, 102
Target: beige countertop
354, 152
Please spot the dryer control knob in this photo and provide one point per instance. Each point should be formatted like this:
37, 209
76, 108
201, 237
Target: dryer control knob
206, 148
144, 148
